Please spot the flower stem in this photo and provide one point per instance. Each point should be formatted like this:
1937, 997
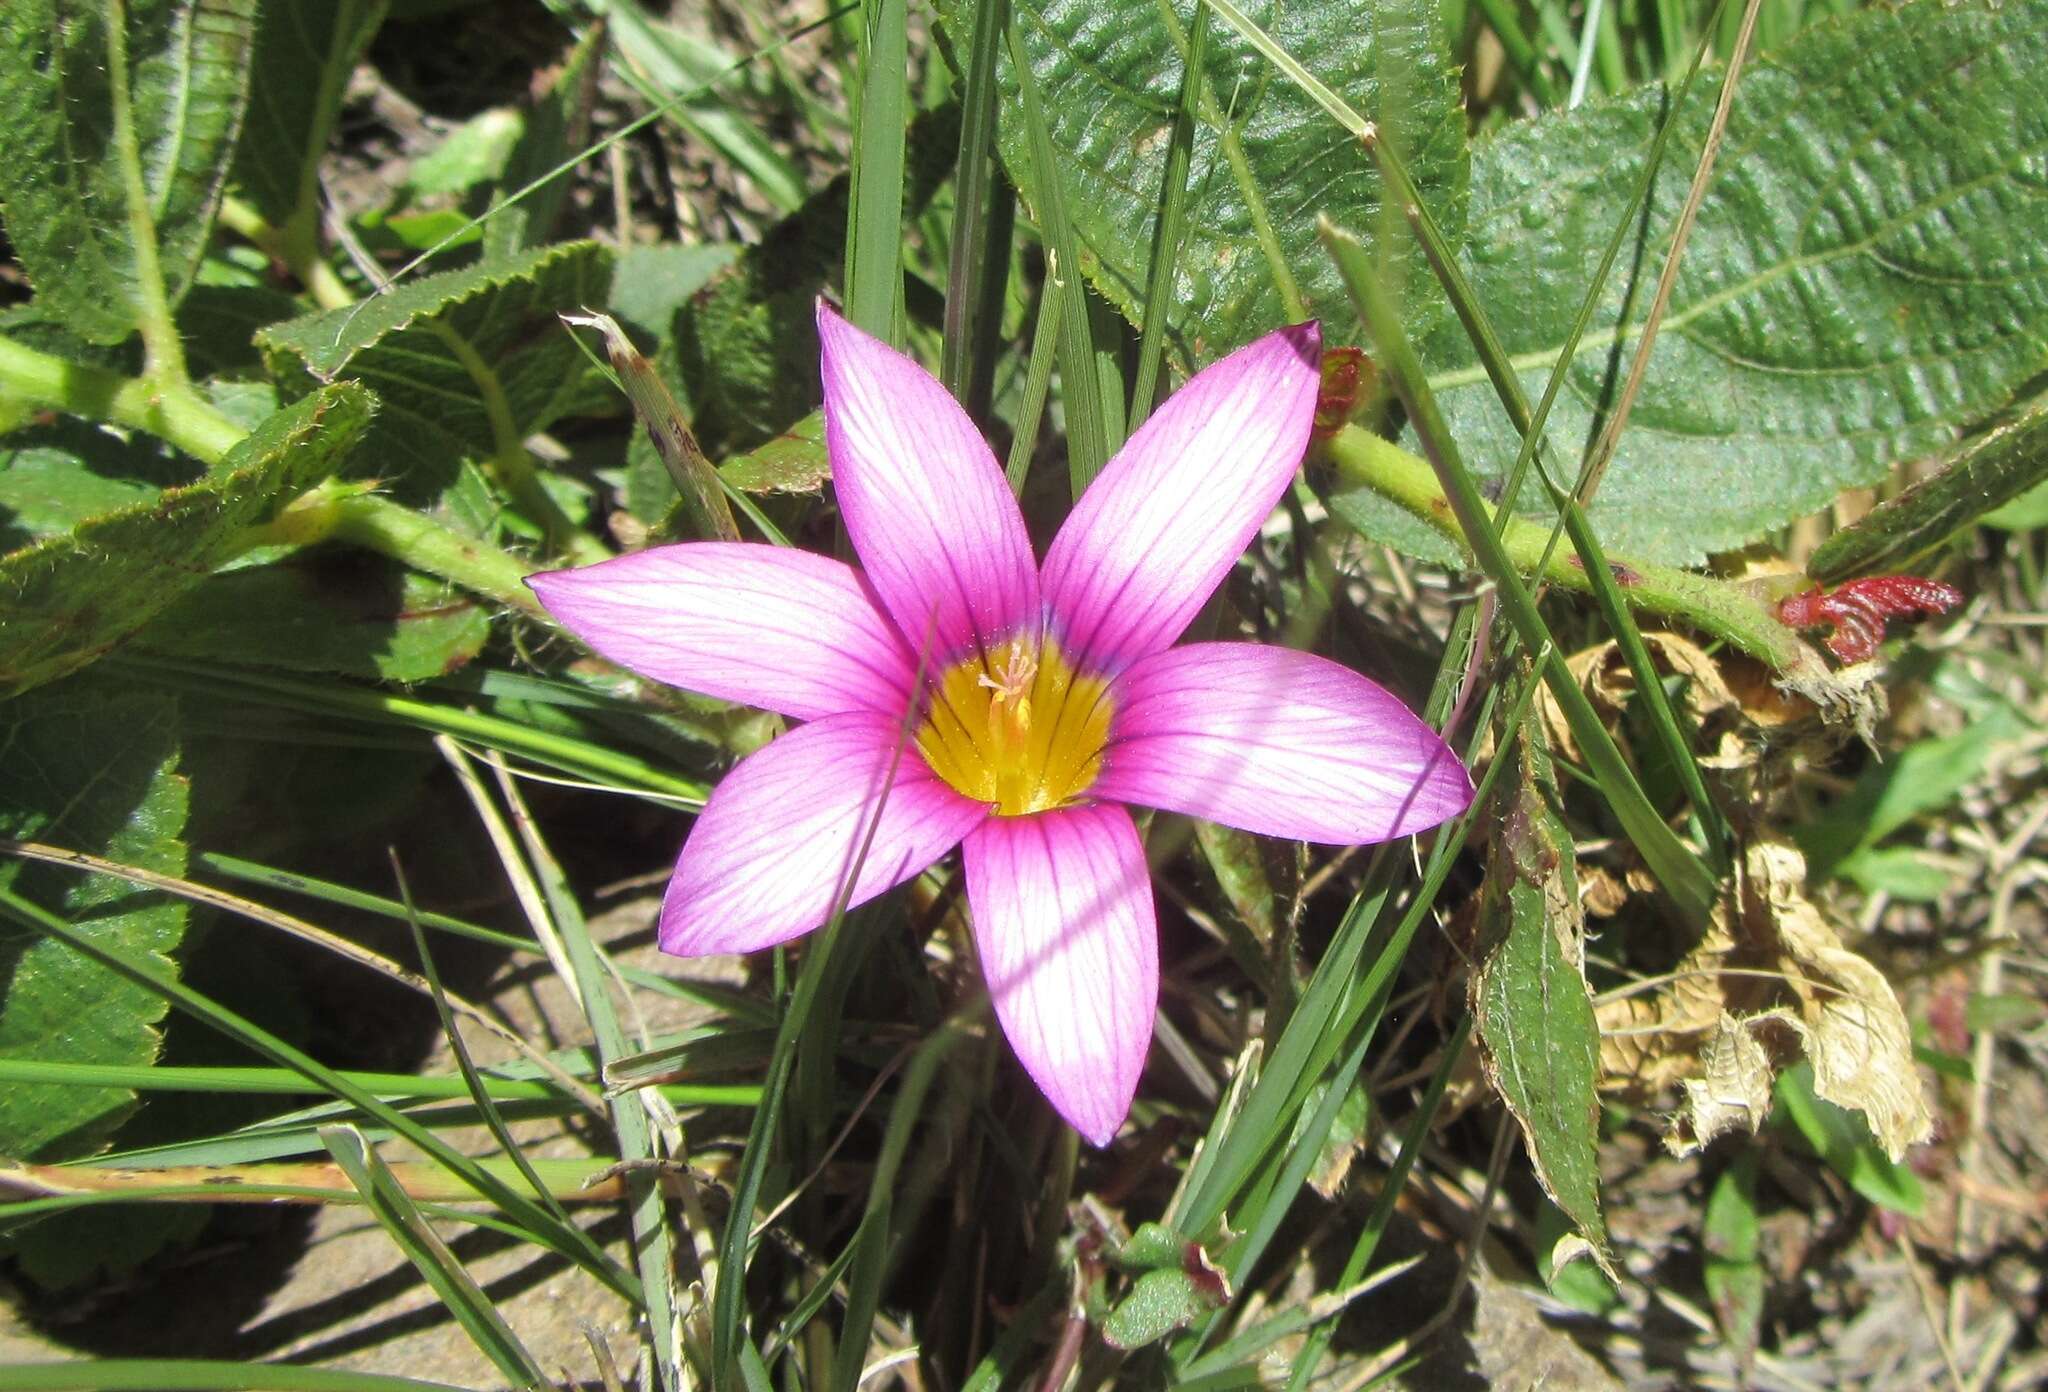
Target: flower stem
1721, 608
167, 408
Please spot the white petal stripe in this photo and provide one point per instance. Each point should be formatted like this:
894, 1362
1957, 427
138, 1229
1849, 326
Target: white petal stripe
1150, 540
928, 511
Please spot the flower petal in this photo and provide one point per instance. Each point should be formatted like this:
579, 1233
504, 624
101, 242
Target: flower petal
784, 630
937, 531
1063, 920
1277, 742
773, 845
1151, 539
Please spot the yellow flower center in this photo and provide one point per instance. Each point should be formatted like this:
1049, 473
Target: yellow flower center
1017, 728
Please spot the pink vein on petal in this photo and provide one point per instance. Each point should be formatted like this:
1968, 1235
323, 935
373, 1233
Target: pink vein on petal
1150, 540
783, 630
1278, 742
1062, 908
928, 511
775, 841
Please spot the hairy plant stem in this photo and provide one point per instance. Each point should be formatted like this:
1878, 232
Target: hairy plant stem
510, 464
296, 245
179, 416
339, 511
162, 349
1720, 608
167, 408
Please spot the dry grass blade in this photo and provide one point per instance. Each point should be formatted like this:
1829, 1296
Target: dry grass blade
362, 956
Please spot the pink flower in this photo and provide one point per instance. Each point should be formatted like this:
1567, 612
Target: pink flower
1050, 696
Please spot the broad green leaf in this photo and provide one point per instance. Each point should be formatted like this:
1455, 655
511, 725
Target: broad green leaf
2002, 1013
444, 352
1920, 778
1866, 277
2028, 510
1153, 1247
793, 462
1903, 872
68, 1250
1540, 1041
742, 355
55, 475
1160, 1302
219, 323
304, 55
71, 213
473, 153
652, 283
331, 609
1560, 1250
91, 767
555, 127
66, 600
1842, 1139
1111, 77
1978, 478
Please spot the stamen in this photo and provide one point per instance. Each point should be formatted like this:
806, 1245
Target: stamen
1009, 710
1016, 727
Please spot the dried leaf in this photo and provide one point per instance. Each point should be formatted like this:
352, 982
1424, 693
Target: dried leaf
1733, 1090
1769, 981
1848, 1018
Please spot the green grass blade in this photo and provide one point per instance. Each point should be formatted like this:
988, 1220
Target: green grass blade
1354, 1026
1094, 413
430, 1256
874, 222
1045, 338
1678, 869
199, 1375
584, 758
1239, 1138
479, 1092
878, 1234
571, 1242
646, 1211
1006, 1359
1376, 1222
735, 1246
1504, 19
723, 999
973, 259
1167, 230
662, 74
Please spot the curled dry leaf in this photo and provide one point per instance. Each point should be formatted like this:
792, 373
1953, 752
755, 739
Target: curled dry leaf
1769, 980
1734, 1086
1739, 707
1729, 698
